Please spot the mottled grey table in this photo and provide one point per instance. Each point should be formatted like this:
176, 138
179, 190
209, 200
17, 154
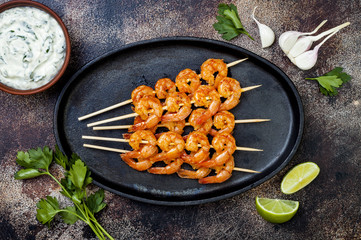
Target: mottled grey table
330, 208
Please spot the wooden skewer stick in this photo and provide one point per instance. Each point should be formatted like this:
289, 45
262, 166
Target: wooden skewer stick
245, 170
105, 109
130, 100
105, 148
127, 140
236, 62
112, 119
125, 151
249, 88
119, 127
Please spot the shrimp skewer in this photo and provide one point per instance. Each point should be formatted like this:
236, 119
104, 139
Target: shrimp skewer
126, 151
211, 101
131, 100
109, 139
119, 127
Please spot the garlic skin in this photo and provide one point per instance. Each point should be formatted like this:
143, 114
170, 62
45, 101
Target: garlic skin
266, 33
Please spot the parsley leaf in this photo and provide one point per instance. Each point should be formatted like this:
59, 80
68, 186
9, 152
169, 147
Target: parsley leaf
35, 158
61, 159
332, 80
41, 158
229, 23
47, 209
77, 173
95, 201
69, 215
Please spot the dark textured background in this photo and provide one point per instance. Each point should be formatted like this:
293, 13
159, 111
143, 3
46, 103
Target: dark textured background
330, 208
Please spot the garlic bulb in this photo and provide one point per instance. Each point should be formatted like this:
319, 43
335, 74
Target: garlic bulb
308, 59
288, 39
305, 43
266, 33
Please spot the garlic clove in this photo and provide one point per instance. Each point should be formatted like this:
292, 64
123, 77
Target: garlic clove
302, 45
266, 33
306, 60
287, 40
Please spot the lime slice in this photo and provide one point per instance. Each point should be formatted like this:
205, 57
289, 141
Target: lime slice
276, 210
299, 177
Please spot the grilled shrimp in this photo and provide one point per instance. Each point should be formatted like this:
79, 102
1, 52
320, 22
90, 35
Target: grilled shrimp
177, 126
172, 167
212, 66
141, 164
150, 110
225, 145
224, 121
230, 89
204, 127
198, 154
172, 145
194, 174
146, 150
178, 106
223, 173
208, 97
164, 87
141, 92
188, 81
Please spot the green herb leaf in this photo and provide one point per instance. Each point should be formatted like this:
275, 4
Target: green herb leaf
95, 201
27, 173
78, 173
332, 80
229, 23
23, 159
61, 159
70, 215
47, 209
35, 158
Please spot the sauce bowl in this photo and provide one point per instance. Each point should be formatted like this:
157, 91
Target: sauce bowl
27, 3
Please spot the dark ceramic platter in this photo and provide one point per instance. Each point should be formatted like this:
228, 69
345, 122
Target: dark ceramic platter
111, 78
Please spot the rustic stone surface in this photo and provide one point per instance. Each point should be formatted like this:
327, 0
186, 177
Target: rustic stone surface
330, 206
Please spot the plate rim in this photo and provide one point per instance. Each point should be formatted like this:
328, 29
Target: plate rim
285, 78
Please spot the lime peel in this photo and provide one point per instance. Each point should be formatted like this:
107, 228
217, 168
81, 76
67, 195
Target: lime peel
299, 177
276, 210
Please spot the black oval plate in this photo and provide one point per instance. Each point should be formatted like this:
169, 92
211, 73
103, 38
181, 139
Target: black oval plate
111, 78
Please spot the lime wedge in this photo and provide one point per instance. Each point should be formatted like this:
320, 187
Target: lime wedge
276, 210
299, 177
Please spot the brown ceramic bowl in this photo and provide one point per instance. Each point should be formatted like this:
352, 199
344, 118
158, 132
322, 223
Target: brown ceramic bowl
27, 3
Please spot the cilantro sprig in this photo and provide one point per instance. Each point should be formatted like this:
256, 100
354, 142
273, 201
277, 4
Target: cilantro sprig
229, 23
36, 162
332, 80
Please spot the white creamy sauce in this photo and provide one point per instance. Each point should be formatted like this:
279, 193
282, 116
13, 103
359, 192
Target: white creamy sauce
32, 48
